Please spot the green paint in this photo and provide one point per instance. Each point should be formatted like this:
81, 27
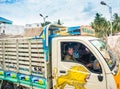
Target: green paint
87, 31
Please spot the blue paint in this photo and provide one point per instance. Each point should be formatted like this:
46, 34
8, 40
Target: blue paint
74, 30
8, 1
44, 43
21, 77
8, 74
6, 21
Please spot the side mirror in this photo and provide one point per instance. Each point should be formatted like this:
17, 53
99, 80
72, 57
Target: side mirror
100, 78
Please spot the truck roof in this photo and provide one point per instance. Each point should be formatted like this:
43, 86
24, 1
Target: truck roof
77, 37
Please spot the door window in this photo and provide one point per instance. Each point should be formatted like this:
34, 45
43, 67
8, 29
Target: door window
77, 52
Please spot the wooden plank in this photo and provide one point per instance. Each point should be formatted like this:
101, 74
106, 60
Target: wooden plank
40, 75
26, 46
36, 41
11, 69
10, 46
24, 69
13, 57
10, 42
24, 62
22, 54
8, 65
3, 56
23, 66
1, 60
24, 58
23, 41
38, 59
10, 53
37, 55
38, 64
24, 72
12, 50
37, 50
36, 46
23, 50
30, 57
12, 61
1, 49
17, 59
1, 52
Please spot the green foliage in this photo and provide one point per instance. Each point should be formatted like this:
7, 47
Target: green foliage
116, 23
102, 26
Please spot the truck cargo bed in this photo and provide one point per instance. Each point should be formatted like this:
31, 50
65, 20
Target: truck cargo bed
23, 61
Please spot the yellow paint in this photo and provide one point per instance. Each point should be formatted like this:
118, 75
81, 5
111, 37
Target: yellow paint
43, 36
55, 71
40, 81
1, 72
26, 78
13, 75
63, 33
75, 77
117, 78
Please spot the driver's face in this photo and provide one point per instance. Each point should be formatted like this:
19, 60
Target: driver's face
70, 51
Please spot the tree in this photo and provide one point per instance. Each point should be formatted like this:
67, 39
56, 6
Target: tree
116, 23
101, 25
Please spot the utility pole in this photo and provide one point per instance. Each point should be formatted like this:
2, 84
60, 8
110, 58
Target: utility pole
110, 11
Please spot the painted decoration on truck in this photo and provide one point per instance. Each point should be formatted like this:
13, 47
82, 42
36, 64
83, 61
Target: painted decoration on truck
87, 30
45, 45
76, 77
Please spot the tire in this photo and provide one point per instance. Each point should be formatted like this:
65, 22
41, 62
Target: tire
19, 87
3, 84
9, 86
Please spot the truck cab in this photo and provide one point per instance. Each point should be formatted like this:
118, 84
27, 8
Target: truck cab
95, 68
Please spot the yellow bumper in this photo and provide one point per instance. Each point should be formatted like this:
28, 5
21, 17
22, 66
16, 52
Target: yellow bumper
117, 78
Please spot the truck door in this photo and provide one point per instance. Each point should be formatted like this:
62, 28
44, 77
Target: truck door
78, 70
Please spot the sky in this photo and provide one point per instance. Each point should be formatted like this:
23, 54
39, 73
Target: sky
70, 12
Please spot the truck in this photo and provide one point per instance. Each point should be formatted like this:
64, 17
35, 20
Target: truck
44, 61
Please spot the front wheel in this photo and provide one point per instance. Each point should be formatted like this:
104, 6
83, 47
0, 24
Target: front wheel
3, 84
8, 86
19, 87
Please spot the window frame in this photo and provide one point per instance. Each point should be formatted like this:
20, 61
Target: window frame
78, 62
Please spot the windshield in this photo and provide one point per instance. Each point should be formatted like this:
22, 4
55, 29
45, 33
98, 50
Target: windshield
104, 49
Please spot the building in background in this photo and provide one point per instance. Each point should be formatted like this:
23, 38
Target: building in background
32, 30
33, 25
7, 27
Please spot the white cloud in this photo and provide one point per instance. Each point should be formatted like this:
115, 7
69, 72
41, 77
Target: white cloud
71, 12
